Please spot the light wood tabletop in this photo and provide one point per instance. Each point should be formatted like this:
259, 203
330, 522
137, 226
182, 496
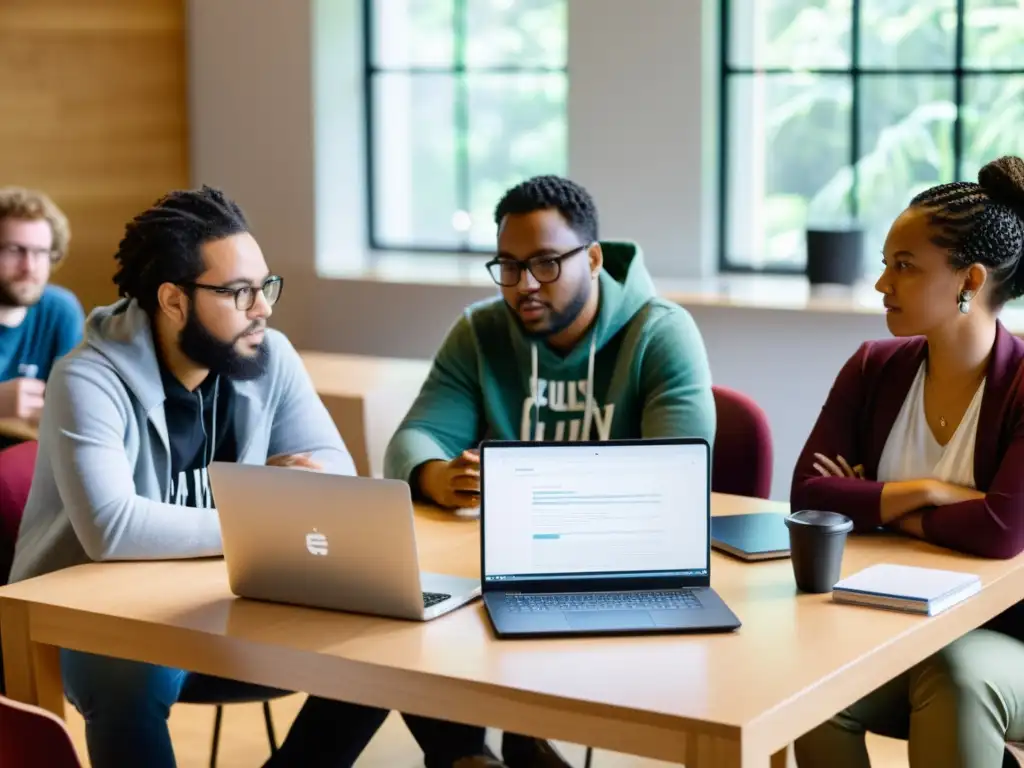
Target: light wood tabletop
19, 429
723, 700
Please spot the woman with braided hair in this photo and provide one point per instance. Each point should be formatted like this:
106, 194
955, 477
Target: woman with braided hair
924, 434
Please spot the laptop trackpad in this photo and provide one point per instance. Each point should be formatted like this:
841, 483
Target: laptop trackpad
604, 620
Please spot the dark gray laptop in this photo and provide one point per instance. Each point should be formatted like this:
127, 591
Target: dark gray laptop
754, 536
598, 538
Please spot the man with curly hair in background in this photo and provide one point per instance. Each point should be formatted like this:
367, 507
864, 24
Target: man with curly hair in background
39, 322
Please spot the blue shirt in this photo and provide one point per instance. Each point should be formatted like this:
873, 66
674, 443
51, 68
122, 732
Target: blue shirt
52, 327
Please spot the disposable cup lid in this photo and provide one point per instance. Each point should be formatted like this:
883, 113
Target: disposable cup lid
820, 520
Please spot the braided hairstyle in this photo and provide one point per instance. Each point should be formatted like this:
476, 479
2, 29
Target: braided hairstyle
542, 192
163, 243
983, 223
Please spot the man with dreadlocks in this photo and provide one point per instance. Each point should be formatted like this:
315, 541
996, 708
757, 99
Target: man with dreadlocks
577, 347
182, 371
924, 434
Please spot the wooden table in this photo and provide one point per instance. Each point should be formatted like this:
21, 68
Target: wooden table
19, 429
731, 700
367, 397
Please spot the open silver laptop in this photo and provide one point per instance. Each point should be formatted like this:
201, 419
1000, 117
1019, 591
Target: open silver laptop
327, 541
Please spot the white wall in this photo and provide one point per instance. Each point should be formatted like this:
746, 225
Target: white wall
642, 84
276, 118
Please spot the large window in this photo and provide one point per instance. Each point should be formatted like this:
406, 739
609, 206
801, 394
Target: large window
464, 98
836, 112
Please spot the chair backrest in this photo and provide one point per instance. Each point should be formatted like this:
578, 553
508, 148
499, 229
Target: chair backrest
743, 457
31, 737
17, 465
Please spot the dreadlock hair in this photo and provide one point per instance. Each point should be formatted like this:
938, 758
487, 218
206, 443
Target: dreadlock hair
543, 192
983, 223
163, 243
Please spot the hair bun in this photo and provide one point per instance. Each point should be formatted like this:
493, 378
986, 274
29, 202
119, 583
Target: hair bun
1003, 180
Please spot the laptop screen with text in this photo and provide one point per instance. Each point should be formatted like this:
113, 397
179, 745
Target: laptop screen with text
595, 511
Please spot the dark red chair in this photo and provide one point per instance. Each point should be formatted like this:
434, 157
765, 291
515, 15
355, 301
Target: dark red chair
743, 457
31, 737
17, 464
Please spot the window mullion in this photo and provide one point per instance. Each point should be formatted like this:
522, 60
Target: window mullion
958, 90
460, 102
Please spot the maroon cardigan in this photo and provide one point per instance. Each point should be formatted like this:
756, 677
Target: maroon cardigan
856, 420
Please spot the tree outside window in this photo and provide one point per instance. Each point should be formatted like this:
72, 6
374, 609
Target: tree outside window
464, 99
837, 112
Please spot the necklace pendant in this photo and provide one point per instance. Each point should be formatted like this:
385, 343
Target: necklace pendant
942, 421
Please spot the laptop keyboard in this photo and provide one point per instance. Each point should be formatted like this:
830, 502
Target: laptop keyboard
668, 600
433, 598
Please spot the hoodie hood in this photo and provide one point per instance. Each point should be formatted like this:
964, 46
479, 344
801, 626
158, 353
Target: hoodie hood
626, 287
122, 334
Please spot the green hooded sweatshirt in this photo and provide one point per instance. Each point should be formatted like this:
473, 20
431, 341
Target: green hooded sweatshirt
643, 359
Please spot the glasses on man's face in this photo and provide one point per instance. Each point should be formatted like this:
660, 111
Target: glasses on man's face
545, 269
16, 251
245, 295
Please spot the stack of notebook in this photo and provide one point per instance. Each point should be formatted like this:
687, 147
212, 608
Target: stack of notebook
906, 588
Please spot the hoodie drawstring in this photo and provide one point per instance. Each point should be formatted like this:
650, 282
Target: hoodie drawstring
588, 408
533, 392
209, 447
213, 419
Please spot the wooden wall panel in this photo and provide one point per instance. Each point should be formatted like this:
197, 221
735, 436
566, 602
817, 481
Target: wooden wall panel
93, 110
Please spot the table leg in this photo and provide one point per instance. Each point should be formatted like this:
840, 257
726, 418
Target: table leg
714, 752
31, 670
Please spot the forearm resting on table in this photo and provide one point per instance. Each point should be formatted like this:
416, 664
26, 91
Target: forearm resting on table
903, 497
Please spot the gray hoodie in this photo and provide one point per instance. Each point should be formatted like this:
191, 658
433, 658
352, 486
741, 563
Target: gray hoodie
101, 487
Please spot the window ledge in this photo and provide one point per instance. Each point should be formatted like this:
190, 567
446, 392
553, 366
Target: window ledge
790, 293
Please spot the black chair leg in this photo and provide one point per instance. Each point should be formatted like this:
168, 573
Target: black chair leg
589, 757
216, 736
270, 727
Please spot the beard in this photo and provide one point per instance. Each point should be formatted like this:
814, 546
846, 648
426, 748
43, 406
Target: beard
558, 319
25, 295
220, 357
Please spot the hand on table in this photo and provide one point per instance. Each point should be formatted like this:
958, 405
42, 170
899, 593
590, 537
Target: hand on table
452, 484
294, 461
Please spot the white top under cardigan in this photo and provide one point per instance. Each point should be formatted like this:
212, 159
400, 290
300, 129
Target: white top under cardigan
911, 451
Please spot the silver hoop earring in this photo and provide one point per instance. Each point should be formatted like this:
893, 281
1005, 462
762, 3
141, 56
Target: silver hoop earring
964, 301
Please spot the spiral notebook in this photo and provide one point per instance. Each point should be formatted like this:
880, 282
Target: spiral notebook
928, 591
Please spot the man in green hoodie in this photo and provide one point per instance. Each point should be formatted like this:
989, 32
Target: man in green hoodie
577, 347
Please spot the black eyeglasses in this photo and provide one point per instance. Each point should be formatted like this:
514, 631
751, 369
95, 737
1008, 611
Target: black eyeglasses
545, 269
245, 296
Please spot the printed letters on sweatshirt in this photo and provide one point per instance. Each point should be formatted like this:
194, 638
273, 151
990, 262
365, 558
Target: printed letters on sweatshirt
561, 406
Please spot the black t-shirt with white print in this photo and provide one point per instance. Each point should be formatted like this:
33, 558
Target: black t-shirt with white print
193, 443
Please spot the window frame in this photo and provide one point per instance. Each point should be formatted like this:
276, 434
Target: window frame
856, 74
458, 70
